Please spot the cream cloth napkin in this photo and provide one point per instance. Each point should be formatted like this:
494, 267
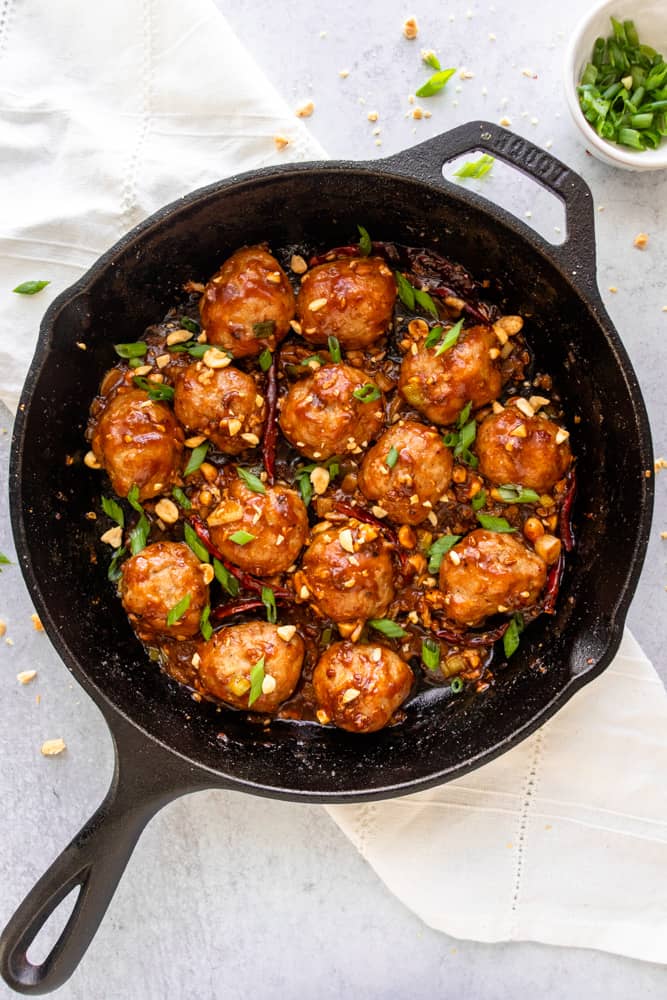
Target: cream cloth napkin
106, 113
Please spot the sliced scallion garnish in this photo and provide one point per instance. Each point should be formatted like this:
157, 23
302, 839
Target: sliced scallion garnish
242, 537
256, 681
439, 550
387, 627
176, 613
431, 654
197, 456
253, 482
365, 243
367, 393
491, 523
476, 168
435, 83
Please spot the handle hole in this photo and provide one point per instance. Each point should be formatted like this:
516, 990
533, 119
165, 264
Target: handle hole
51, 930
517, 193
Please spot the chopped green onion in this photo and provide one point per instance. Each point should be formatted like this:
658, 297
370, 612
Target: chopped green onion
478, 500
307, 362
439, 550
114, 511
305, 486
392, 457
197, 456
512, 493
476, 168
264, 329
156, 390
252, 481
365, 243
114, 572
180, 498
4, 560
387, 627
424, 300
205, 626
191, 325
269, 602
431, 60
325, 638
133, 499
464, 414
30, 287
256, 681
511, 637
367, 393
456, 685
136, 362
242, 537
450, 338
192, 540
136, 350
139, 535
411, 296
435, 84
265, 359
334, 350
431, 654
226, 579
434, 336
178, 610
491, 523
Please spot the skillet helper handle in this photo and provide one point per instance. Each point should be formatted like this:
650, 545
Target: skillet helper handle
577, 253
93, 863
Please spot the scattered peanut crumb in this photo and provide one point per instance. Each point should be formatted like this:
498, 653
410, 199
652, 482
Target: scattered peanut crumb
410, 29
427, 54
417, 113
492, 37
601, 208
505, 122
528, 72
81, 345
26, 676
663, 534
9, 642
36, 622
306, 110
52, 747
465, 74
281, 141
373, 116
641, 241
344, 73
3, 628
613, 288
660, 463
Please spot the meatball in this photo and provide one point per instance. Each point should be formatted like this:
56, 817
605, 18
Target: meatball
410, 488
276, 519
138, 440
441, 386
248, 304
227, 659
359, 687
537, 457
489, 572
352, 300
321, 416
223, 403
154, 581
347, 573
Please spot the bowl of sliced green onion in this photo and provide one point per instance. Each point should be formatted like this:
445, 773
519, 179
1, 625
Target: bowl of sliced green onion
616, 82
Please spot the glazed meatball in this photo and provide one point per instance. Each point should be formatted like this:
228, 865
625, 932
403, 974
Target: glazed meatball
227, 659
352, 300
138, 440
248, 304
347, 572
489, 572
537, 460
410, 488
154, 581
321, 416
359, 687
277, 520
223, 403
440, 387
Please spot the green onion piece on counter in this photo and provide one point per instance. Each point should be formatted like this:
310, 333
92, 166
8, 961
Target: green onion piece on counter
191, 325
513, 493
264, 329
269, 602
511, 638
476, 168
197, 456
334, 350
178, 610
367, 393
478, 500
365, 243
431, 654
252, 481
139, 535
136, 350
265, 359
392, 457
191, 539
241, 537
114, 511
133, 499
431, 60
450, 338
491, 523
456, 685
30, 287
435, 83
439, 550
157, 391
4, 561
256, 681
387, 627
226, 579
114, 571
180, 498
434, 336
205, 626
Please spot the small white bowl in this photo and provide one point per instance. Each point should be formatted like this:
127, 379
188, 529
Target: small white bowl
650, 17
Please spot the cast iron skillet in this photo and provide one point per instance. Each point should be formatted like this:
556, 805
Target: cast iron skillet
165, 745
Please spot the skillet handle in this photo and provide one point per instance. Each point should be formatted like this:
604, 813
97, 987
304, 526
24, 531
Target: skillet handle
576, 254
144, 780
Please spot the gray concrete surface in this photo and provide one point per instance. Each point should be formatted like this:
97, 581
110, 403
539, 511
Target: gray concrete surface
228, 895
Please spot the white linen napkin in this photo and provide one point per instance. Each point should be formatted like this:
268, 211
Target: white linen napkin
103, 119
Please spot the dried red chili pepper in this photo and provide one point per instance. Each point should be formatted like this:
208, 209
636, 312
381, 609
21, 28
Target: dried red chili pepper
270, 438
565, 517
553, 586
473, 638
235, 608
